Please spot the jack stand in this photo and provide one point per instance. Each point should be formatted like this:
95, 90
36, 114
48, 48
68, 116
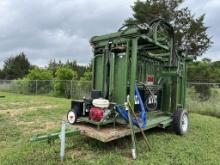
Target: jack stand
63, 134
62, 140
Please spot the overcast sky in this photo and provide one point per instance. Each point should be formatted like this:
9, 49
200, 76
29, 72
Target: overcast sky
61, 29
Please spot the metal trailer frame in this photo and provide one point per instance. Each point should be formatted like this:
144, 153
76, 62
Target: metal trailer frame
123, 59
132, 53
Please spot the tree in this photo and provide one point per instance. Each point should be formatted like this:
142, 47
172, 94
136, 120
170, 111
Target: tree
216, 64
191, 33
80, 69
39, 74
2, 74
16, 67
207, 60
204, 71
87, 76
65, 73
53, 66
63, 83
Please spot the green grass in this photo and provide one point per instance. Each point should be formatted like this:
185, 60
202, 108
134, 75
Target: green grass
23, 116
210, 107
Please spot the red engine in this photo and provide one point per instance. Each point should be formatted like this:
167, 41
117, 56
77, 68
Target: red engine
96, 114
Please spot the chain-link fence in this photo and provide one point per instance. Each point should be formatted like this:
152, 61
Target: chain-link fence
66, 88
203, 98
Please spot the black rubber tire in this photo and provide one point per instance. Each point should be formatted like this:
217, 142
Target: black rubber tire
76, 111
72, 110
177, 121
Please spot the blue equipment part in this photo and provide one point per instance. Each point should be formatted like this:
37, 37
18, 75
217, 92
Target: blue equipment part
121, 110
142, 120
143, 114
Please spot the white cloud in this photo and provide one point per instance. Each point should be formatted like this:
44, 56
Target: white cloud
211, 9
61, 29
57, 29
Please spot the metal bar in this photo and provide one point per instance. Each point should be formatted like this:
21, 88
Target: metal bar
53, 136
133, 149
133, 70
201, 83
103, 76
142, 131
93, 72
62, 140
112, 70
71, 89
184, 84
154, 42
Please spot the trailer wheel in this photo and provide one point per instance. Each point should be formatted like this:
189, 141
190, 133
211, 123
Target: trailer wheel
181, 121
71, 116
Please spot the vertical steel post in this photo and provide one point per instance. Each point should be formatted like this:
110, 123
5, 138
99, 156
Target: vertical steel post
112, 70
103, 77
128, 43
62, 140
93, 72
185, 84
133, 70
71, 89
54, 89
133, 149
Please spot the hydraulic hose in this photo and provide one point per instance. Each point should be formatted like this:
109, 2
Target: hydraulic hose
142, 116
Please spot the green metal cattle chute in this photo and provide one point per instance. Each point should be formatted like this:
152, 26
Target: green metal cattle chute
139, 82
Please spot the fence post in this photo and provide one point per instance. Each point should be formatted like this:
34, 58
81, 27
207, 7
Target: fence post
54, 88
71, 89
36, 87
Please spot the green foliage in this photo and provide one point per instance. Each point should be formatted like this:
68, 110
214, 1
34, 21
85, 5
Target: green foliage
210, 106
39, 74
19, 66
64, 73
87, 76
204, 71
203, 90
2, 74
64, 76
53, 66
37, 81
216, 64
79, 69
191, 33
81, 89
22, 86
15, 67
64, 84
39, 87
